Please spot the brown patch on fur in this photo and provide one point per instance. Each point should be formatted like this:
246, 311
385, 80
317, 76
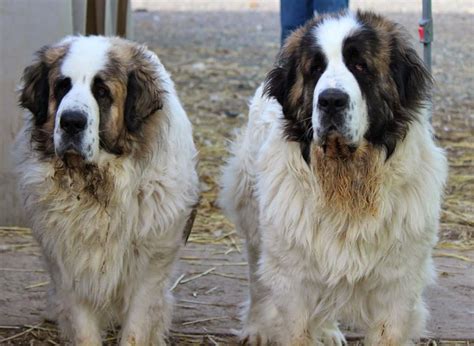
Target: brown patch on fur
84, 179
296, 91
112, 125
42, 135
291, 46
131, 127
37, 95
350, 181
293, 41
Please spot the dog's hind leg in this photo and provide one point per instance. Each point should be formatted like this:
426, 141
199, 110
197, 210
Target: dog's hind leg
256, 309
237, 198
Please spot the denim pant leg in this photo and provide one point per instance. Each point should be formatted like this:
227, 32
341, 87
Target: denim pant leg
293, 14
326, 6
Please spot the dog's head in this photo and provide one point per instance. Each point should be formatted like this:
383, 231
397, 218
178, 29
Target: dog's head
350, 76
91, 95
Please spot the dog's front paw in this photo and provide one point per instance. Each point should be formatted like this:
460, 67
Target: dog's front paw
252, 336
329, 335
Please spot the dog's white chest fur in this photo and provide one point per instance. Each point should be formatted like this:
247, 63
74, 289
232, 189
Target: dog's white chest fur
103, 233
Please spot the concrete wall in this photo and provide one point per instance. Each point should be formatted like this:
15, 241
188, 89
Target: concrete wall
25, 26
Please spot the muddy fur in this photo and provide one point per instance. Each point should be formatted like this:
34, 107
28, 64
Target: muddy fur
350, 181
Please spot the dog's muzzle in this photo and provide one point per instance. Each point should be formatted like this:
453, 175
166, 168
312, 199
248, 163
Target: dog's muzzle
332, 105
72, 127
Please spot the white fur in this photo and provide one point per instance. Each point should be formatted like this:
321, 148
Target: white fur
303, 278
111, 264
330, 36
84, 59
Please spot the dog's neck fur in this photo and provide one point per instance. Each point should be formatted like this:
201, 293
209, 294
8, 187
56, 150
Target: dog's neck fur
350, 182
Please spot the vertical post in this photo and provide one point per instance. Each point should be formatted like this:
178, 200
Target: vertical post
122, 18
426, 32
95, 22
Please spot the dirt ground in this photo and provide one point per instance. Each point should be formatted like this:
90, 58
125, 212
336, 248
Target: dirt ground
217, 59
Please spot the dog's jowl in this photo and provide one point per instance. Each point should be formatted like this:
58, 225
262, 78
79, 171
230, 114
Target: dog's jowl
336, 185
106, 168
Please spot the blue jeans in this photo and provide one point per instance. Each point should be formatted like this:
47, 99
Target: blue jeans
294, 13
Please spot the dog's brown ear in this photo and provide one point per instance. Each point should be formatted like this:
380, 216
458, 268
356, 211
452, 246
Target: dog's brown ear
34, 92
413, 80
144, 94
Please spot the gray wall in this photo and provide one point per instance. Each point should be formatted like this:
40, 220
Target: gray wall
25, 26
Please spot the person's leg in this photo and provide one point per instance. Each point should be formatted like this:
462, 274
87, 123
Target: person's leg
293, 14
326, 6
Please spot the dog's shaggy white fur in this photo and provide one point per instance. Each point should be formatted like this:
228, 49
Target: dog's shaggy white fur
335, 234
109, 218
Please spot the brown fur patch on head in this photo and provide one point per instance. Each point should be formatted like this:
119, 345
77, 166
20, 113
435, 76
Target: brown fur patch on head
112, 125
350, 181
396, 84
37, 95
292, 81
392, 78
130, 125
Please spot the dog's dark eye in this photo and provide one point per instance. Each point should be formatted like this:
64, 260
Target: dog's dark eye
318, 69
101, 92
318, 64
360, 67
99, 89
61, 88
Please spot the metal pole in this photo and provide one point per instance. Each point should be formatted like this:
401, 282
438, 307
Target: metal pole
426, 32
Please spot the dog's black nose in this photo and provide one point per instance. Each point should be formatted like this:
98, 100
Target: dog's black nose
73, 122
333, 100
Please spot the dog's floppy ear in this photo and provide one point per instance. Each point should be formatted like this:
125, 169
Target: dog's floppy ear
34, 92
409, 72
277, 83
281, 78
144, 95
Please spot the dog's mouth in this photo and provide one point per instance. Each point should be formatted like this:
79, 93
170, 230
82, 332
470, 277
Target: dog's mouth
73, 159
335, 145
71, 155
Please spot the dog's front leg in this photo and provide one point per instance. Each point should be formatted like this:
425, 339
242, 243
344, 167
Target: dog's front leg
400, 315
288, 306
77, 319
149, 314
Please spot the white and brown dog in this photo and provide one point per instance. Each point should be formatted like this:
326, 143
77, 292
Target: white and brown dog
106, 165
336, 184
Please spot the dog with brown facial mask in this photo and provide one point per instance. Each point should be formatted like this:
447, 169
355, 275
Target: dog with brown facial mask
336, 185
106, 166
